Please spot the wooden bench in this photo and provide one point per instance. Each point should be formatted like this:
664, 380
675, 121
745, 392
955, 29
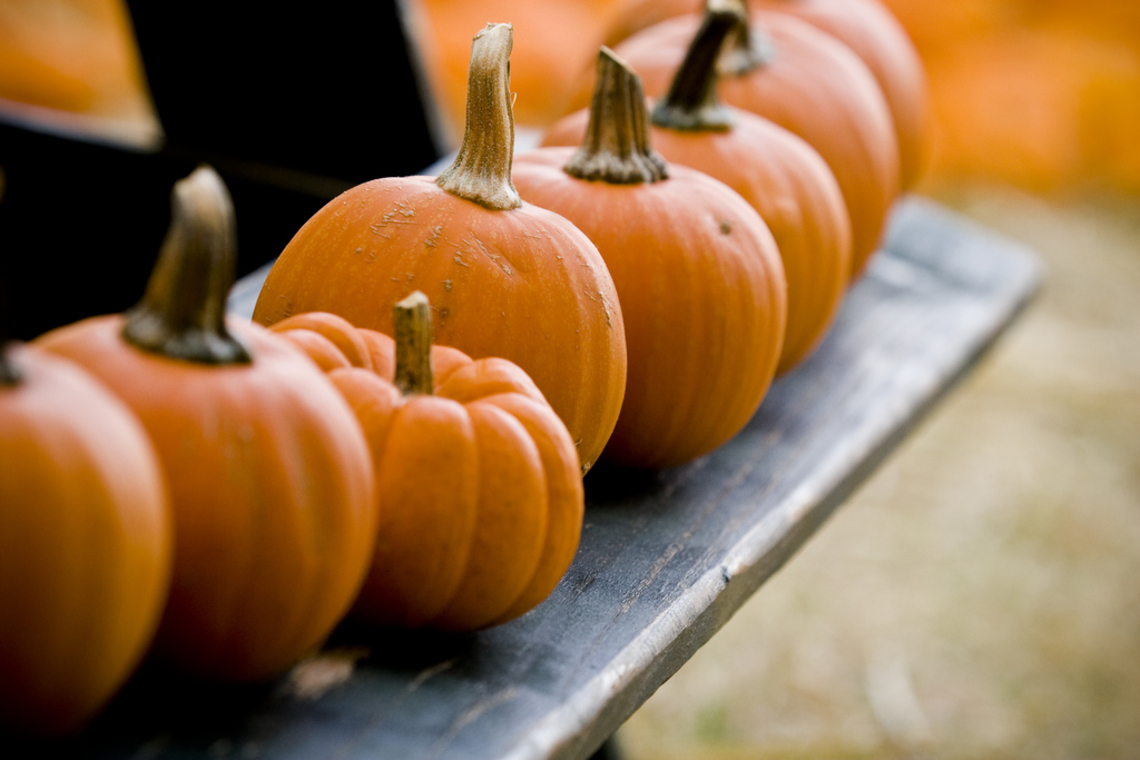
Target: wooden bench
666, 557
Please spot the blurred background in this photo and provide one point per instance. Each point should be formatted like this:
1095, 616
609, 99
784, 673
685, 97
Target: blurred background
980, 596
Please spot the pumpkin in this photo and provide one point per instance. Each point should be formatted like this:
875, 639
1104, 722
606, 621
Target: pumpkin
876, 36
505, 278
478, 477
867, 27
270, 475
78, 56
778, 173
85, 544
697, 271
808, 82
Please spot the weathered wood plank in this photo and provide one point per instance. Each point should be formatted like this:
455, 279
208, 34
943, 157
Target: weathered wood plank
666, 557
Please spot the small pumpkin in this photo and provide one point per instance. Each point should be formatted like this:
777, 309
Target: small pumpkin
85, 542
698, 273
778, 173
478, 478
270, 476
808, 82
504, 277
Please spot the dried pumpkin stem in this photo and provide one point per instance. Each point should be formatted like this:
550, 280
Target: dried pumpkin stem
481, 173
692, 103
412, 318
749, 46
616, 148
182, 314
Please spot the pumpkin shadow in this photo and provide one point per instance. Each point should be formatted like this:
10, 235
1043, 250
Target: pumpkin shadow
609, 484
399, 650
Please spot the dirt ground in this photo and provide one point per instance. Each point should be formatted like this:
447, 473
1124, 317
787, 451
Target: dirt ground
979, 597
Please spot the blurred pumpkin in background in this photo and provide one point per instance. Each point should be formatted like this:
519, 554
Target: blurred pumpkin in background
77, 56
555, 42
1043, 95
1037, 93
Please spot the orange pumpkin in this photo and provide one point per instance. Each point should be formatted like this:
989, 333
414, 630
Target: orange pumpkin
783, 178
270, 476
505, 278
808, 82
478, 477
867, 27
697, 271
75, 55
85, 544
876, 36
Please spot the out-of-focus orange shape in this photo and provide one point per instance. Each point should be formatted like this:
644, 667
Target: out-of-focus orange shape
1044, 95
555, 45
78, 56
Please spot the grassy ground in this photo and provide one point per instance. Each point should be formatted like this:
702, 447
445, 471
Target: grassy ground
980, 596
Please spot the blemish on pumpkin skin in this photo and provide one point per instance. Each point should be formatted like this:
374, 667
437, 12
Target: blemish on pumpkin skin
459, 260
447, 285
725, 227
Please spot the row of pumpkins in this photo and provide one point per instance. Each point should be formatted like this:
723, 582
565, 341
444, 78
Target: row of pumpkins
179, 482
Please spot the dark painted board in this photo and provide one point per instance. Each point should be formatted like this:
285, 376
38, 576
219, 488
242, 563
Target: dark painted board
666, 557
291, 103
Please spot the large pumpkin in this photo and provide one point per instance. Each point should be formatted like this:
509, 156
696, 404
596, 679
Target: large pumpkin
504, 278
782, 176
477, 477
808, 82
697, 271
85, 544
270, 476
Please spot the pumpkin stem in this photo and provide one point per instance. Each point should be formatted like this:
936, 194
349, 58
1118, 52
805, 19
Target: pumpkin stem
749, 47
692, 103
412, 318
481, 173
182, 314
616, 148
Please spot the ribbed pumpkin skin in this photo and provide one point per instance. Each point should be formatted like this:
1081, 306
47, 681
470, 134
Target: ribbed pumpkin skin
85, 544
703, 295
795, 193
272, 490
479, 484
815, 87
524, 285
874, 34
